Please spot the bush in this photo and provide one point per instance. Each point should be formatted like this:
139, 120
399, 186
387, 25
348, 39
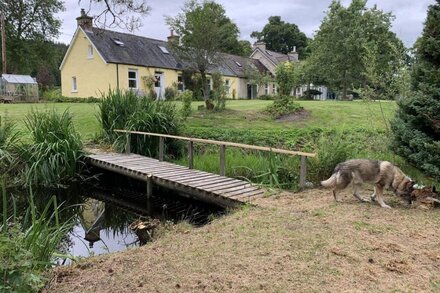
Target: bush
186, 98
54, 156
170, 93
218, 92
331, 150
126, 110
54, 96
282, 106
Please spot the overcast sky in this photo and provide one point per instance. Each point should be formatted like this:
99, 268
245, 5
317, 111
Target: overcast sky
252, 15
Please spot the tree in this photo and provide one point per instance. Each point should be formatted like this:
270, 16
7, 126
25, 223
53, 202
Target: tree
120, 13
204, 31
354, 47
288, 77
281, 36
416, 126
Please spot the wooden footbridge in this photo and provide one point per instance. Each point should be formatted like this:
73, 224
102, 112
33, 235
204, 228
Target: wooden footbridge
204, 186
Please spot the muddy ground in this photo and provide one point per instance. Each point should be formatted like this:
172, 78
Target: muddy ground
291, 243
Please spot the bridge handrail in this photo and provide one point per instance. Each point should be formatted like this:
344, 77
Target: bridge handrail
221, 143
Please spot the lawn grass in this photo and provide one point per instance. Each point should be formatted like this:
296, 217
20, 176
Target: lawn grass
84, 115
240, 114
245, 114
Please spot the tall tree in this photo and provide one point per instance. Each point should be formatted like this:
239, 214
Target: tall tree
354, 47
281, 36
29, 25
204, 31
125, 14
416, 126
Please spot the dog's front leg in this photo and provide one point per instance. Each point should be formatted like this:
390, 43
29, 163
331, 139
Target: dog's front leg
373, 196
379, 194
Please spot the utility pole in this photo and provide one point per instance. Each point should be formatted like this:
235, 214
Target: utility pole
2, 23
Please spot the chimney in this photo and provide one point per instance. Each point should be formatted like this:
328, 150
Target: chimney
293, 56
260, 45
85, 21
172, 38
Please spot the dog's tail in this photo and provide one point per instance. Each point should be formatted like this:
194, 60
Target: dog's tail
331, 182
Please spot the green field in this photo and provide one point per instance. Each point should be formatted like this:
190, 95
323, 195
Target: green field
241, 114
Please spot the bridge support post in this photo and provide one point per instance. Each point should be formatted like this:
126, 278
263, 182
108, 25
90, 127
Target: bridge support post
190, 155
303, 172
127, 144
222, 160
161, 148
149, 193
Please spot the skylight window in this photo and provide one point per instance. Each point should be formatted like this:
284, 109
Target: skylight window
269, 53
238, 64
118, 42
164, 50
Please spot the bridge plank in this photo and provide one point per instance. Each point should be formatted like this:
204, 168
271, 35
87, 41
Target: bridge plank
203, 185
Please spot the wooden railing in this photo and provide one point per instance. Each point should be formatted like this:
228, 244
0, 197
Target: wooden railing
223, 145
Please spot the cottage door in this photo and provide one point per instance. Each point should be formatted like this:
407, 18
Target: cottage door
159, 85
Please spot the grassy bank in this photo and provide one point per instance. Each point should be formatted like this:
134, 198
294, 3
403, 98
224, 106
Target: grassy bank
293, 243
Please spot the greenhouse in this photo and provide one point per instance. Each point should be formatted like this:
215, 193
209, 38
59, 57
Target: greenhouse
14, 87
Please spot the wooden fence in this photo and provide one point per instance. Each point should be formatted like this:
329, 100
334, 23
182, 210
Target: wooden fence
222, 146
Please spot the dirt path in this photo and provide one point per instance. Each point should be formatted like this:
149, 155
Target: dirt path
292, 243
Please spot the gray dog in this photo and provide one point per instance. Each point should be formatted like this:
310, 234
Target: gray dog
382, 174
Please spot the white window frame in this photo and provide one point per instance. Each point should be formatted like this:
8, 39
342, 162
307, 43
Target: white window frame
90, 52
136, 79
74, 84
274, 88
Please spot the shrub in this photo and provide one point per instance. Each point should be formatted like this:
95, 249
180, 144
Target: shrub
53, 95
331, 150
126, 110
282, 106
170, 93
54, 156
219, 92
186, 98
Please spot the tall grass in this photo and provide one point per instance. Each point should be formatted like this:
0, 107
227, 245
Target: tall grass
8, 142
54, 156
28, 244
127, 110
267, 169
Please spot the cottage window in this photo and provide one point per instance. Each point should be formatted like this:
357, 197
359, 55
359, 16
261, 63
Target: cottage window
180, 85
274, 89
266, 89
90, 52
132, 79
74, 85
228, 85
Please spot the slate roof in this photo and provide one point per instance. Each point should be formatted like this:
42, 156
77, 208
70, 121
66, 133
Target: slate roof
136, 50
238, 64
276, 57
123, 48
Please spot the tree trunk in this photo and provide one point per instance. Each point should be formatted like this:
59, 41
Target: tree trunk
205, 88
344, 86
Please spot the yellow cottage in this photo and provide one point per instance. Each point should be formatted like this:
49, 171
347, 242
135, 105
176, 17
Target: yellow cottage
98, 60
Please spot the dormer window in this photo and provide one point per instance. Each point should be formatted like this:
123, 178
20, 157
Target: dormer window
90, 52
118, 42
164, 50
